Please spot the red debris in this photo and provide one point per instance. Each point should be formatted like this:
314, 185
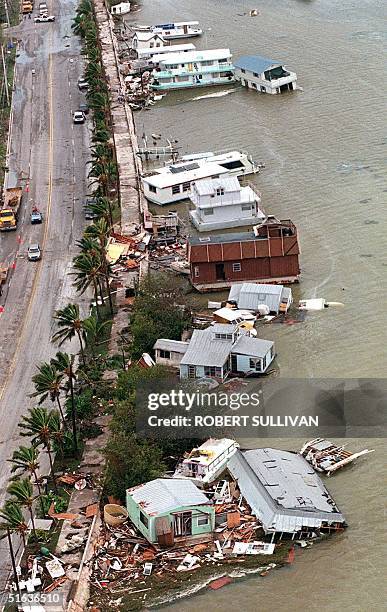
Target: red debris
219, 583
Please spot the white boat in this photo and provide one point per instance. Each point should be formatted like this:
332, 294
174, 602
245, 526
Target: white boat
182, 29
173, 183
148, 53
326, 457
123, 8
193, 69
223, 203
206, 463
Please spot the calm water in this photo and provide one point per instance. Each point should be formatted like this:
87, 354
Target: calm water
325, 150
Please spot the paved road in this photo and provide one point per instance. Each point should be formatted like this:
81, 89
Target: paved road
48, 157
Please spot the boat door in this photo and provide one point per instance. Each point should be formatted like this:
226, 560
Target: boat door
190, 67
185, 29
219, 271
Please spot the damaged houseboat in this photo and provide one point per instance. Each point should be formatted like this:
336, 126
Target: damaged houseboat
267, 254
327, 457
206, 463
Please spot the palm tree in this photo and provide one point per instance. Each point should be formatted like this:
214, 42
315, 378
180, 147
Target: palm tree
40, 425
94, 331
64, 363
13, 519
103, 208
87, 273
100, 231
26, 459
23, 492
71, 325
48, 383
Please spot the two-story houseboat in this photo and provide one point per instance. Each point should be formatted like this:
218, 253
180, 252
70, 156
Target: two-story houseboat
264, 75
196, 69
173, 183
222, 203
181, 29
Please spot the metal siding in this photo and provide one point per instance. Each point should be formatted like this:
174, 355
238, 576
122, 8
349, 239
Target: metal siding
232, 251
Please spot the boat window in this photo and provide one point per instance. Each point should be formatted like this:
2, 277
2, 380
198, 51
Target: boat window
175, 189
208, 211
207, 63
220, 191
244, 71
203, 520
246, 206
165, 354
256, 364
232, 165
186, 186
196, 271
144, 519
236, 267
152, 188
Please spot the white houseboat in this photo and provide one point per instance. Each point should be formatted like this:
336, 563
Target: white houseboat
206, 463
173, 183
264, 75
148, 53
222, 203
123, 8
147, 40
182, 29
196, 69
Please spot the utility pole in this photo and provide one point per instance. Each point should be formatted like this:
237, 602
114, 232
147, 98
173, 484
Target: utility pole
6, 13
5, 75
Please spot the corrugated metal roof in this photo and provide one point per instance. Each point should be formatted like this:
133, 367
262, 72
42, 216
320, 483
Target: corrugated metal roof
256, 63
176, 346
252, 347
250, 295
284, 492
168, 179
209, 186
207, 351
164, 495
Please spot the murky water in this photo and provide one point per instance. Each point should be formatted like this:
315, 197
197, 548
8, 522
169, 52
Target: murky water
325, 151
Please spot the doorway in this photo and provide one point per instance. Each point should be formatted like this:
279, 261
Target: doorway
182, 524
219, 271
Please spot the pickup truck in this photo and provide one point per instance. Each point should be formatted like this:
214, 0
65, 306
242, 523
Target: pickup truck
9, 212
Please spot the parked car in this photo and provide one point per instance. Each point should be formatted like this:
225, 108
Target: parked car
89, 214
78, 117
36, 217
44, 18
84, 108
34, 252
82, 84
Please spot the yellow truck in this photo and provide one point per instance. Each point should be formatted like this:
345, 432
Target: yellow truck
10, 209
27, 7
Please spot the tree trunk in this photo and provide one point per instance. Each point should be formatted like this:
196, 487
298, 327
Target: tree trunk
96, 299
81, 347
40, 493
61, 412
109, 292
32, 521
73, 410
48, 448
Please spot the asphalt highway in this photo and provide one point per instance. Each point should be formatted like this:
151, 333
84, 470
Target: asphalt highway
48, 156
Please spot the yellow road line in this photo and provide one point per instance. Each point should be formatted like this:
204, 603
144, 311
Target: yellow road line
46, 227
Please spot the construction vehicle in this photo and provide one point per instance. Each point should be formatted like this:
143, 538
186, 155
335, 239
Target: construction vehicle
27, 7
10, 209
3, 277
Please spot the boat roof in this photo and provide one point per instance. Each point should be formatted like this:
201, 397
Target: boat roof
196, 56
175, 346
183, 173
209, 450
208, 186
147, 35
256, 63
176, 24
168, 49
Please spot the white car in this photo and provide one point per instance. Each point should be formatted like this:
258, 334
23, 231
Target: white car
78, 117
44, 18
34, 252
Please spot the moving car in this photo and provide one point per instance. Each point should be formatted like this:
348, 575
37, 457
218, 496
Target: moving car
82, 84
34, 252
44, 18
36, 217
78, 117
89, 214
